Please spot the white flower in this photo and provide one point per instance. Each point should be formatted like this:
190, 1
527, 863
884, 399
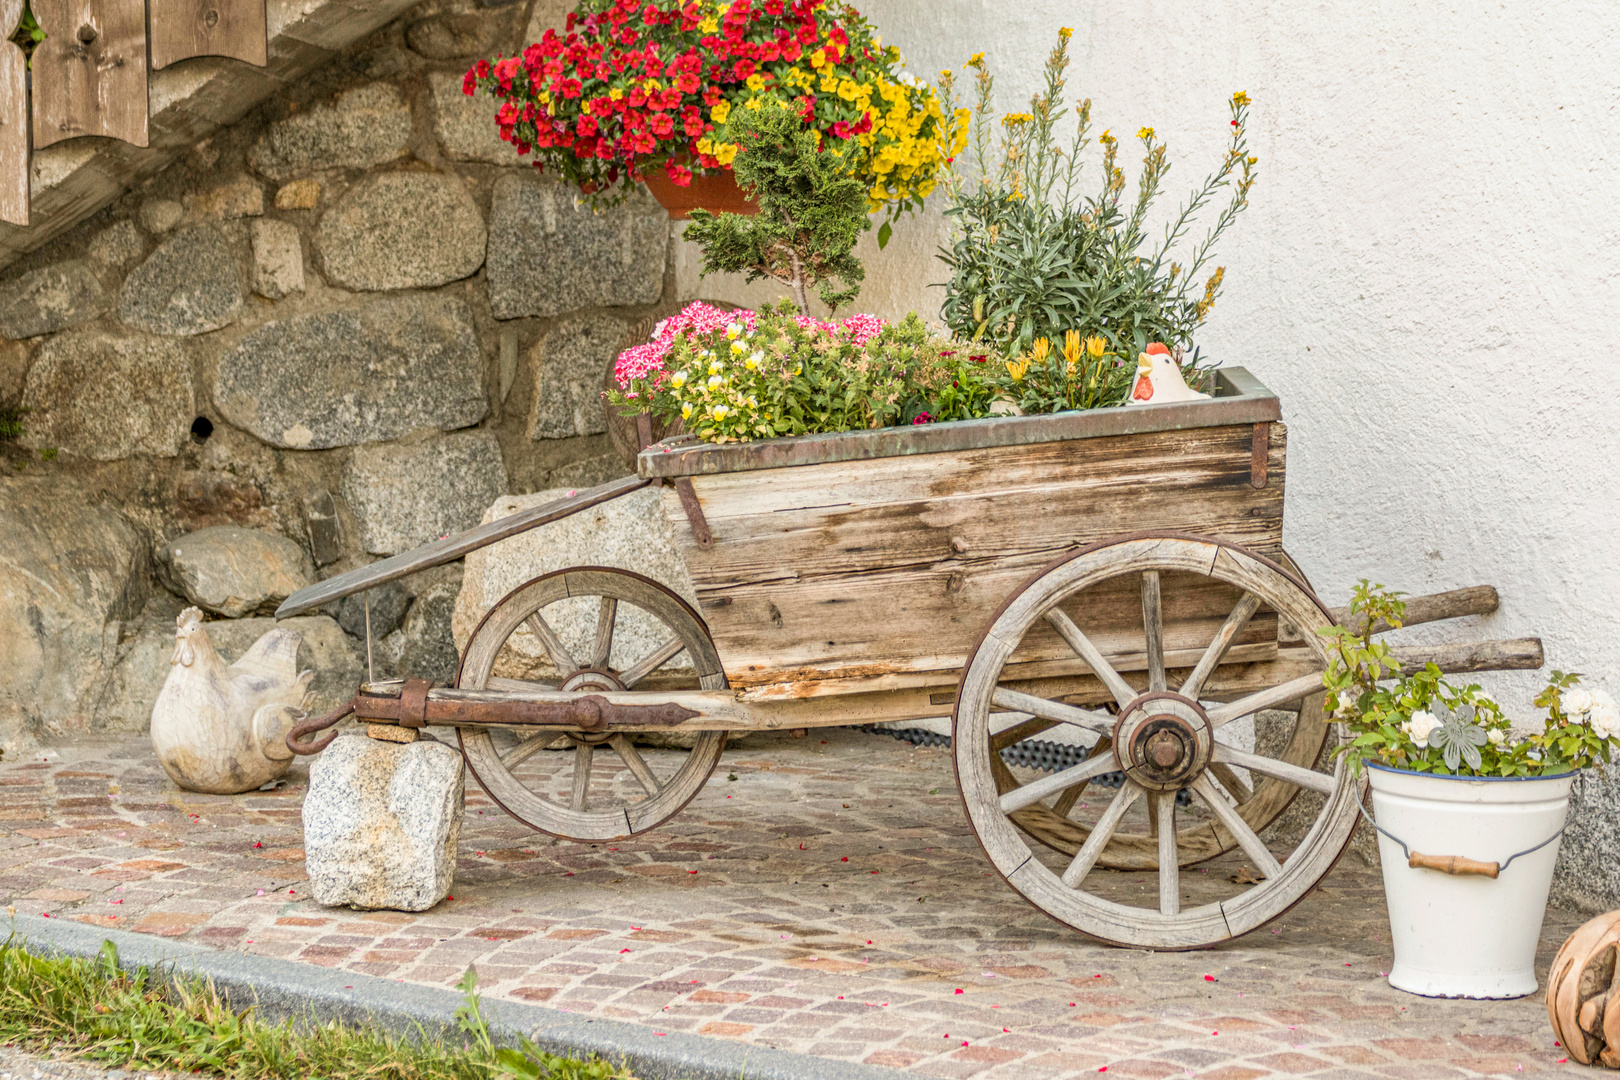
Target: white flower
1601, 699
734, 331
1421, 724
1346, 704
1577, 702
1606, 721
1497, 736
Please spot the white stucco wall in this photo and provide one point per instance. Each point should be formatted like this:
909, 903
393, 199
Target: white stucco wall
1428, 274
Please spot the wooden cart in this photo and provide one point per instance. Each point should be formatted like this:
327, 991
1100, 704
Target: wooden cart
1117, 573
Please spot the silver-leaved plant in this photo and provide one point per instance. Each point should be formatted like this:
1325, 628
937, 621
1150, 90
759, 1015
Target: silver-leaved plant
1459, 739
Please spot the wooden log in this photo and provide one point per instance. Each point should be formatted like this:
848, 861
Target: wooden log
1434, 607
13, 119
89, 74
451, 548
1515, 654
182, 29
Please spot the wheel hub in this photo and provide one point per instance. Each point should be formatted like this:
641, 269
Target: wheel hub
592, 679
1163, 740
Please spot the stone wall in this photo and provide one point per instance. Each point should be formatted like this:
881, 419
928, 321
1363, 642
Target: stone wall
351, 321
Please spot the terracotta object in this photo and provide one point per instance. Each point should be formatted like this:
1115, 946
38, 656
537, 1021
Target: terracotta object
1158, 379
223, 730
715, 192
1580, 987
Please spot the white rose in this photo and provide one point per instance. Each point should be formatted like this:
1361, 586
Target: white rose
1577, 702
1421, 724
1606, 721
1601, 699
1346, 705
1496, 736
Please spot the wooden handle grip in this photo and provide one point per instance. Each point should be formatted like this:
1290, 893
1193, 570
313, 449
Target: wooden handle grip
1452, 864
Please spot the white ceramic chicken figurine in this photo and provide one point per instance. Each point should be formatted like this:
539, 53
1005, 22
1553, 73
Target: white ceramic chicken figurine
1158, 379
223, 730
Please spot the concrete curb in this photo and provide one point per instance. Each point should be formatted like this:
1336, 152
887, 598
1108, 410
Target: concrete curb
282, 988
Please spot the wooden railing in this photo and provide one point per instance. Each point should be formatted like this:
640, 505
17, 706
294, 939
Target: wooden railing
88, 76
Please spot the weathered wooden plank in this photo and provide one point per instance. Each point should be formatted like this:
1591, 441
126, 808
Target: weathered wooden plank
451, 548
89, 74
846, 570
13, 119
182, 29
1240, 400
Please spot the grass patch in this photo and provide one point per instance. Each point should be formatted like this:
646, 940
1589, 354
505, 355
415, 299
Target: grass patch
94, 1010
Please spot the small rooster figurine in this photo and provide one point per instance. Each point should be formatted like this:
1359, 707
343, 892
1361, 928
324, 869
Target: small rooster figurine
223, 730
1158, 379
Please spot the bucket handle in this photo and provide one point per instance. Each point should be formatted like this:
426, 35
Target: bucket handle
1457, 865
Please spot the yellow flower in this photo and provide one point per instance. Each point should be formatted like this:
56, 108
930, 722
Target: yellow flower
686, 411
615, 93
1240, 98
719, 412
721, 110
725, 152
1107, 137
1016, 368
1041, 349
709, 25
1071, 348
976, 60
1096, 346
756, 81
754, 103
1065, 32
1016, 119
1145, 133
847, 89
678, 379
818, 58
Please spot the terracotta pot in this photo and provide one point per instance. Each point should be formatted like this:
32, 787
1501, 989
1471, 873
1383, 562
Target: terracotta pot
716, 192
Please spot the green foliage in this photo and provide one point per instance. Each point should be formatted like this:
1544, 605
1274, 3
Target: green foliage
811, 210
1422, 723
48, 453
11, 424
93, 1009
28, 35
1032, 258
789, 375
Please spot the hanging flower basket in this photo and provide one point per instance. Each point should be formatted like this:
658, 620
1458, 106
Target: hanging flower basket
716, 192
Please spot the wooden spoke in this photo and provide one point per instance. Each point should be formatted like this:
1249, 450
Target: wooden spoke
1282, 770
1016, 701
1086, 857
1065, 802
560, 657
605, 617
1036, 790
529, 747
1153, 627
1266, 699
583, 753
1153, 815
1228, 633
638, 765
1235, 787
1019, 732
1083, 648
1252, 845
650, 663
1169, 864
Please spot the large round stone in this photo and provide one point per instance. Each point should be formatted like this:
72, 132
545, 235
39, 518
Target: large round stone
367, 374
92, 395
190, 285
402, 230
49, 299
366, 126
410, 493
232, 571
550, 253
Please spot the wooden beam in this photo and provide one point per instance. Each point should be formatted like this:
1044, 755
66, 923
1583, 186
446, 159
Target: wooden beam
182, 29
89, 73
13, 119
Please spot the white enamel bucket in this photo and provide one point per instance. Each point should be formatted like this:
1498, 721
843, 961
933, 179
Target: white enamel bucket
1467, 935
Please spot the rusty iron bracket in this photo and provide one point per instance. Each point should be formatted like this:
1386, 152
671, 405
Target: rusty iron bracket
1260, 454
694, 511
590, 713
412, 703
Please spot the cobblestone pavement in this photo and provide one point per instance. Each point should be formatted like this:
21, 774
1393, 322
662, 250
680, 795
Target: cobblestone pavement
829, 900
18, 1064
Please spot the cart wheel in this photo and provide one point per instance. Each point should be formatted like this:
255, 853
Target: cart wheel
635, 634
1260, 805
1164, 741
